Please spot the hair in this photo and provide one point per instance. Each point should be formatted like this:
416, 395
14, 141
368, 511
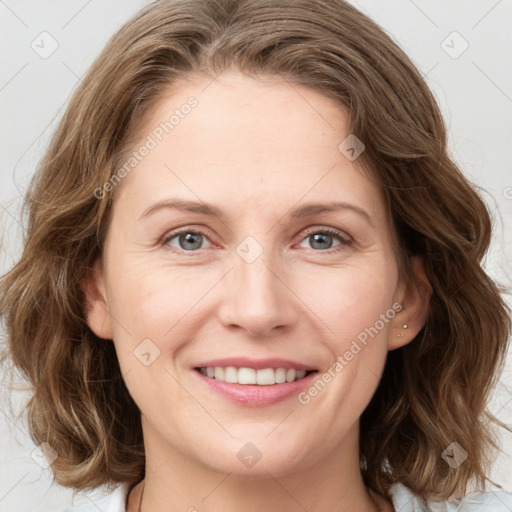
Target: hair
433, 391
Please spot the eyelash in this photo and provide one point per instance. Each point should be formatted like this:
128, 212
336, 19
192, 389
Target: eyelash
344, 240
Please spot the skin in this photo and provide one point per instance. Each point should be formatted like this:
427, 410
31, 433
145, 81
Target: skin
255, 148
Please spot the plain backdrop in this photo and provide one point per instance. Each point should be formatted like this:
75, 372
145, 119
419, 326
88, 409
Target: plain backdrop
463, 48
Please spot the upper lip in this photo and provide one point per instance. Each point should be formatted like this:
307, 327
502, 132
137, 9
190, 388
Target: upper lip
257, 364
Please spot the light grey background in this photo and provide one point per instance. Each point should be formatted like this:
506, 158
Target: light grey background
473, 87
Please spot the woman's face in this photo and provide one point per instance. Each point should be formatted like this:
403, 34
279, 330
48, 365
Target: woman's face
245, 274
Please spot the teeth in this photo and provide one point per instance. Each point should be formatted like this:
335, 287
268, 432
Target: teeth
230, 374
246, 376
264, 377
280, 375
219, 373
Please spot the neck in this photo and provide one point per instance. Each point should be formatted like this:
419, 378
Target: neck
175, 481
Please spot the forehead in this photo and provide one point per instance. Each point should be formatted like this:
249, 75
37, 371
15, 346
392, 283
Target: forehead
245, 142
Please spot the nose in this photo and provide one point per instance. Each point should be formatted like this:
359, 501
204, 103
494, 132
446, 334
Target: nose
258, 299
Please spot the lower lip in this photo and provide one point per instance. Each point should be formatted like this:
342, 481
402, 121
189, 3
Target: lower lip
257, 396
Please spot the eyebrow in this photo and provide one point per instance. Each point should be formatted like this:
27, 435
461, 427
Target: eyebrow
305, 210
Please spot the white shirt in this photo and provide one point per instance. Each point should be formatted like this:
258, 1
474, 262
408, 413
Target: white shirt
403, 501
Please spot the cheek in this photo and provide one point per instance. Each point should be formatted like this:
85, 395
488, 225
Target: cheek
357, 307
352, 301
151, 299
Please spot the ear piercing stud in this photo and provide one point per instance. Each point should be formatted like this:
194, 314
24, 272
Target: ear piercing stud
404, 326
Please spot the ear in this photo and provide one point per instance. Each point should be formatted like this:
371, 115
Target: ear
96, 305
414, 296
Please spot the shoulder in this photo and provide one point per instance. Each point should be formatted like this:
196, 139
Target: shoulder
114, 501
404, 500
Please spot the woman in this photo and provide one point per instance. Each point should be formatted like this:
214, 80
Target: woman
252, 278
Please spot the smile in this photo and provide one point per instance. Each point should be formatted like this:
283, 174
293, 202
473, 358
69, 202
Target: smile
255, 382
245, 376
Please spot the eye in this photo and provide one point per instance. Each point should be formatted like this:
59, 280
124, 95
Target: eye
185, 240
322, 239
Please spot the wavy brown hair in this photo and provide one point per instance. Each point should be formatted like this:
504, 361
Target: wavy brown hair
433, 391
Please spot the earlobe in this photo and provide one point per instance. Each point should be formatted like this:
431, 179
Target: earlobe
96, 306
415, 297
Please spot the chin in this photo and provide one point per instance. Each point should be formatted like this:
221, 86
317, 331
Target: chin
255, 460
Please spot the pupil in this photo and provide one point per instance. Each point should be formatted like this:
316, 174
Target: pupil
191, 238
321, 238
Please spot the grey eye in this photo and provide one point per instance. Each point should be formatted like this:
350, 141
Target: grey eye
321, 241
186, 240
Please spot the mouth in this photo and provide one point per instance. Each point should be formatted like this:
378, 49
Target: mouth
251, 376
255, 383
